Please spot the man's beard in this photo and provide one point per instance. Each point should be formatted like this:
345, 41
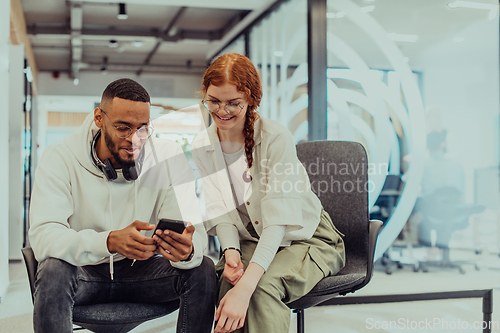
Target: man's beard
115, 153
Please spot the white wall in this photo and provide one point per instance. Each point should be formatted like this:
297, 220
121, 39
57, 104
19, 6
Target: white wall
462, 81
16, 145
35, 130
4, 137
61, 95
93, 84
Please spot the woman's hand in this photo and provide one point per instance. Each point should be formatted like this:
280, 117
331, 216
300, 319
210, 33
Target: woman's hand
232, 310
233, 270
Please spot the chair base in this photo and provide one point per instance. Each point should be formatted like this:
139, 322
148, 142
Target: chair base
301, 326
446, 263
389, 264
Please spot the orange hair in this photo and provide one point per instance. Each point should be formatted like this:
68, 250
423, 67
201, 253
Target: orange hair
236, 69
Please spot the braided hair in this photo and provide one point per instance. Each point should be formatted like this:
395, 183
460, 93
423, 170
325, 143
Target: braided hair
238, 70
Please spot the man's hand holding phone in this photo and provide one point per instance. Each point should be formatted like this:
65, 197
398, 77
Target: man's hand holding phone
131, 243
172, 245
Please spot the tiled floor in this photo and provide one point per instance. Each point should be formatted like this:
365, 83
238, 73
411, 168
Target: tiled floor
457, 315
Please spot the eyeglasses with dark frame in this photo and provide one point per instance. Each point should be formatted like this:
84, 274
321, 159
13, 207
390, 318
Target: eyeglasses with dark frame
124, 132
233, 109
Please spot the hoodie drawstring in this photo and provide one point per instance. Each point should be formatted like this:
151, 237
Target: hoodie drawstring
111, 267
135, 201
135, 210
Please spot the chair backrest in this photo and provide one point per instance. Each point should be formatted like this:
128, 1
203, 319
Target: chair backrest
31, 267
443, 203
338, 171
392, 182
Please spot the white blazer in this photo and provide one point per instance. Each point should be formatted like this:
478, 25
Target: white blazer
280, 189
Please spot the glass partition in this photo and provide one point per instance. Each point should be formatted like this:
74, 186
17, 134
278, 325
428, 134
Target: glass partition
417, 84
278, 46
238, 46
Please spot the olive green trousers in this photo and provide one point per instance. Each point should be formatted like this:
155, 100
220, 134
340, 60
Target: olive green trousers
294, 271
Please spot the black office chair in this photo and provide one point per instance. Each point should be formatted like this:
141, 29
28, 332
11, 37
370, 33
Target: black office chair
348, 208
387, 199
382, 210
108, 317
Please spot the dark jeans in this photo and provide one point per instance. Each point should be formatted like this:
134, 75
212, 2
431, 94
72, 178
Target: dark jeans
60, 285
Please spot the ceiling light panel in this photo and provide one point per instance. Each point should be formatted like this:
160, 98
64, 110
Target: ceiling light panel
76, 17
402, 37
470, 4
367, 9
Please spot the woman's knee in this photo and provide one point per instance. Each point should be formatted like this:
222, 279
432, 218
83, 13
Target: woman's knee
269, 287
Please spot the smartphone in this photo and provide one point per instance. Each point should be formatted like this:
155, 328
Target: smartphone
173, 225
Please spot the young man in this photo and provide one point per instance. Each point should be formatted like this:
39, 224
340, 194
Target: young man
93, 195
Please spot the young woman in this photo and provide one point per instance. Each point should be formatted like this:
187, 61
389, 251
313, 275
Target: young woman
277, 240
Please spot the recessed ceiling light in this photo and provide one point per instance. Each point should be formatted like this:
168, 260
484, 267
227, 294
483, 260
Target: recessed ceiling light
367, 9
278, 53
173, 31
402, 37
137, 43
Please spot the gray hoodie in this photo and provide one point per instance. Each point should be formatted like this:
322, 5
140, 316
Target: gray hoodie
74, 207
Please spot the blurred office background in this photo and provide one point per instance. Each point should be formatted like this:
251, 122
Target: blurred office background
415, 81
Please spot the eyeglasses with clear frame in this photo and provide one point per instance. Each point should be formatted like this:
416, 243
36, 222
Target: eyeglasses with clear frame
233, 109
124, 132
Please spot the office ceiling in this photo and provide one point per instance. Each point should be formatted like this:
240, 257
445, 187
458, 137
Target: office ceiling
414, 25
157, 36
172, 36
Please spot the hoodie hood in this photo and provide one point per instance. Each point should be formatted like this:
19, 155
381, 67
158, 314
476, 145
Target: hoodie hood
79, 143
81, 148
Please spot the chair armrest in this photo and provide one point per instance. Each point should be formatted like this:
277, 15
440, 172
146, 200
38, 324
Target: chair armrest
374, 229
31, 267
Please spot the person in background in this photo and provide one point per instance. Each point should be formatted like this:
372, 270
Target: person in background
277, 240
441, 171
95, 195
